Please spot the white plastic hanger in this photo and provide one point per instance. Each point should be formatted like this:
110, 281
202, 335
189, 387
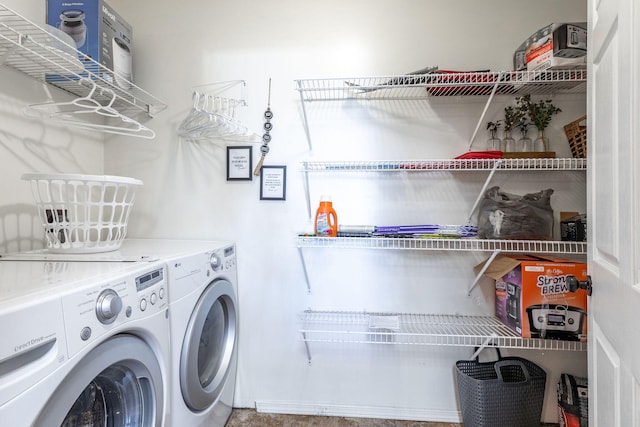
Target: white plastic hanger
212, 116
68, 112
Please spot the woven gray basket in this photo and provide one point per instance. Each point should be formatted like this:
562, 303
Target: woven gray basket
508, 392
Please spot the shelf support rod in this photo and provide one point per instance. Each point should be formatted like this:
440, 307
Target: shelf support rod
304, 269
306, 346
304, 116
485, 343
13, 49
486, 107
482, 271
496, 166
306, 188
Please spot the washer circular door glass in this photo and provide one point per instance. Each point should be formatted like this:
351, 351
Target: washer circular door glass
208, 346
118, 383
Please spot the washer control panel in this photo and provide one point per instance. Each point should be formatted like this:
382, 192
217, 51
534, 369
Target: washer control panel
96, 310
222, 260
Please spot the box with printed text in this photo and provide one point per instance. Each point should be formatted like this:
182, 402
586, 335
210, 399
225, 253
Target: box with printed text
533, 299
98, 32
555, 46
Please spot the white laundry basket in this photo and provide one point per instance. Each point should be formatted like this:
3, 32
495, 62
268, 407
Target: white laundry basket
83, 213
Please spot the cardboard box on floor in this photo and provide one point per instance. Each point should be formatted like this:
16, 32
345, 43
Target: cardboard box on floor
533, 298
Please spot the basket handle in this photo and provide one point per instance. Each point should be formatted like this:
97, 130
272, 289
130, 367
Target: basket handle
500, 363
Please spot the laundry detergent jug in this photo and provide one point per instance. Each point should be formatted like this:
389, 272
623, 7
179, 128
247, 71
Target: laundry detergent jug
326, 219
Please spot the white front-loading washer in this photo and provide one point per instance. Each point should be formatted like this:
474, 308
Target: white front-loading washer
204, 316
83, 343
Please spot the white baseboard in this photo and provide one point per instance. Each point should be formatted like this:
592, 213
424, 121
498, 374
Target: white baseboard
414, 414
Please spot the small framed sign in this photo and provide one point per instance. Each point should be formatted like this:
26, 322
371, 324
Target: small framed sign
239, 163
273, 183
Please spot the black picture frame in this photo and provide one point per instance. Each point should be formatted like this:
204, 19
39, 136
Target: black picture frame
239, 163
273, 183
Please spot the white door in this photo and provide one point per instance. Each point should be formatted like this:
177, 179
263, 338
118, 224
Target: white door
614, 215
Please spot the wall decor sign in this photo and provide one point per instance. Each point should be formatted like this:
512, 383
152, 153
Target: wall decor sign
239, 163
273, 183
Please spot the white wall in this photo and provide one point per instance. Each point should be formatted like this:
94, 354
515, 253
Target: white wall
31, 145
195, 42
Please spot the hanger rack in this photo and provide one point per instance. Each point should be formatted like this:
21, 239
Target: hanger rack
88, 107
213, 114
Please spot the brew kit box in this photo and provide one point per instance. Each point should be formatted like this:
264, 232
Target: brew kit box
533, 299
555, 46
98, 32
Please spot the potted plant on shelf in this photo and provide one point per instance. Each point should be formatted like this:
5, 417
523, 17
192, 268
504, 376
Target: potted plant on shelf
540, 114
494, 143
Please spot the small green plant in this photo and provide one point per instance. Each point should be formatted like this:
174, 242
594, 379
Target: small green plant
523, 126
512, 117
493, 127
539, 112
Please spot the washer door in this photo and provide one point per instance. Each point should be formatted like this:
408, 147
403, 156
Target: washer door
208, 346
118, 383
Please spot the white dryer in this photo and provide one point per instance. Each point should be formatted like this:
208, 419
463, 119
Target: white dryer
204, 316
83, 343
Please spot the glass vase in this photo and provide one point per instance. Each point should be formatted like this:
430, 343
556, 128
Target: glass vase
508, 142
542, 142
495, 143
526, 144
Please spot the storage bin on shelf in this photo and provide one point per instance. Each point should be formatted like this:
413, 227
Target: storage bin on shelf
577, 137
83, 213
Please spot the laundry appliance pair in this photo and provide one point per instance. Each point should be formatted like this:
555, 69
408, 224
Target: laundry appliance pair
142, 336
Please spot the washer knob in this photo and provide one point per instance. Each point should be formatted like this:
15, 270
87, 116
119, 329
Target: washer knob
108, 306
215, 262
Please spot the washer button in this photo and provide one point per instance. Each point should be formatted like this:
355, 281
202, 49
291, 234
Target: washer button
143, 304
153, 298
85, 333
161, 293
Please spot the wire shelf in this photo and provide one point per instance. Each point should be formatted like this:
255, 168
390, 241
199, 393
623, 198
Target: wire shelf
447, 165
437, 244
419, 330
27, 48
423, 86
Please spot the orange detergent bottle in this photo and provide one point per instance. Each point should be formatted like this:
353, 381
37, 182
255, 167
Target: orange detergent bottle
326, 219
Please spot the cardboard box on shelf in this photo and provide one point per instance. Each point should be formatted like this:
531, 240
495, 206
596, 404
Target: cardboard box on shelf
533, 298
98, 32
555, 46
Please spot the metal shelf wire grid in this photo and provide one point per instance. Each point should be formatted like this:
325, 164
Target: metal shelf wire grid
446, 165
422, 86
27, 48
466, 244
419, 330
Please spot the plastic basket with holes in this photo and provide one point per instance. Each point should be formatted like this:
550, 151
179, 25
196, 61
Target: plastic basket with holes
577, 137
83, 213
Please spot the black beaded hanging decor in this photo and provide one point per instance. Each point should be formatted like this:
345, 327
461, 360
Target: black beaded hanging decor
266, 137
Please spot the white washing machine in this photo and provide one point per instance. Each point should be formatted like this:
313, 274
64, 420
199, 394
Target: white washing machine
84, 343
204, 316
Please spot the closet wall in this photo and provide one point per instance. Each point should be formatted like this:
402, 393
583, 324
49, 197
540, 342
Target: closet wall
186, 195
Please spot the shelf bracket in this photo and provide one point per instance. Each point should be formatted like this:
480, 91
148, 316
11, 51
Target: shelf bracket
304, 116
304, 269
486, 107
496, 166
482, 271
9, 52
306, 188
306, 347
485, 343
